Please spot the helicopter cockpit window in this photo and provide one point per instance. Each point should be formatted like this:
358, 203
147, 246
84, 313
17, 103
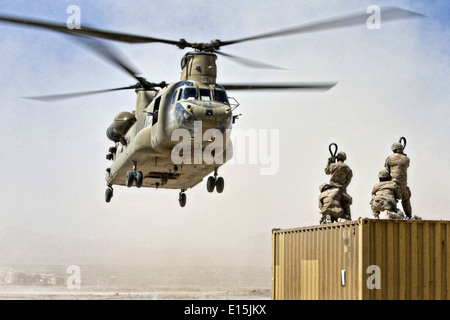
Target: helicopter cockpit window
188, 94
205, 95
221, 96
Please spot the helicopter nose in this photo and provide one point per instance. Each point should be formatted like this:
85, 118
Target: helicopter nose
209, 114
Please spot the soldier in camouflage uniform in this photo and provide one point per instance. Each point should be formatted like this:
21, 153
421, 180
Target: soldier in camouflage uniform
341, 176
385, 195
330, 204
397, 165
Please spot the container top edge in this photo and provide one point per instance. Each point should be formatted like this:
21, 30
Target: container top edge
353, 223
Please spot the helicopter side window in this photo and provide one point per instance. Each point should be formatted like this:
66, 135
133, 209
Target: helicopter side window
172, 97
221, 96
156, 111
205, 95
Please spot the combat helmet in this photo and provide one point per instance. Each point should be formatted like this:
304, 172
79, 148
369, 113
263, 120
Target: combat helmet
324, 187
384, 174
397, 146
341, 156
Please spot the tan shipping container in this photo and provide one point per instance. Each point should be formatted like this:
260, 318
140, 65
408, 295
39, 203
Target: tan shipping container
368, 259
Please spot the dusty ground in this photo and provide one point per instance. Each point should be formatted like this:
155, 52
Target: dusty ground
8, 292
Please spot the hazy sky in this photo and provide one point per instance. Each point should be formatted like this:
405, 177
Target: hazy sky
393, 82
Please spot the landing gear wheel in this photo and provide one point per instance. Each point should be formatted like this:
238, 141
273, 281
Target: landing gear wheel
182, 199
108, 194
220, 184
211, 184
130, 178
139, 179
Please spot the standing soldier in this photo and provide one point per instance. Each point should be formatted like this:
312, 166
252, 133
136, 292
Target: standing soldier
397, 165
341, 176
385, 195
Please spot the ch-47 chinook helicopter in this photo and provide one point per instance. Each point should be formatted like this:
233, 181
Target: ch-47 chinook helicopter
142, 155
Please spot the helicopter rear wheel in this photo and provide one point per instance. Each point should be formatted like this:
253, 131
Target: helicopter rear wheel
139, 179
211, 184
220, 184
182, 199
130, 178
108, 194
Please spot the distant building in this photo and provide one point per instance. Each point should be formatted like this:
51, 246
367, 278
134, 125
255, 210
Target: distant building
9, 276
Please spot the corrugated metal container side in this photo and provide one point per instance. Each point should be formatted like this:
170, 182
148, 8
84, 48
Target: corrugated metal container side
369, 259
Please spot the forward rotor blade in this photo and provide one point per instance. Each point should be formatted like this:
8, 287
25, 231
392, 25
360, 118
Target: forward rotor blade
63, 96
248, 62
280, 86
112, 55
82, 36
86, 31
387, 14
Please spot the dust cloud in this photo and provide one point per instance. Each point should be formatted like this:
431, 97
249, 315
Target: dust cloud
36, 266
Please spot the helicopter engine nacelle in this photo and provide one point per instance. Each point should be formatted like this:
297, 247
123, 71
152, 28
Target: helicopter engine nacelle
122, 123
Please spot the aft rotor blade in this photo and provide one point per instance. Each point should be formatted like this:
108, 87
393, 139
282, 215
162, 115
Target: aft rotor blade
86, 31
248, 62
387, 14
63, 96
280, 86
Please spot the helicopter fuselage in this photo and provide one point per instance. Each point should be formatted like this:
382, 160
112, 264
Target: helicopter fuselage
169, 138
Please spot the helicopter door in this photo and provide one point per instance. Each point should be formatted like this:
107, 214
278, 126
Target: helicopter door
156, 111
